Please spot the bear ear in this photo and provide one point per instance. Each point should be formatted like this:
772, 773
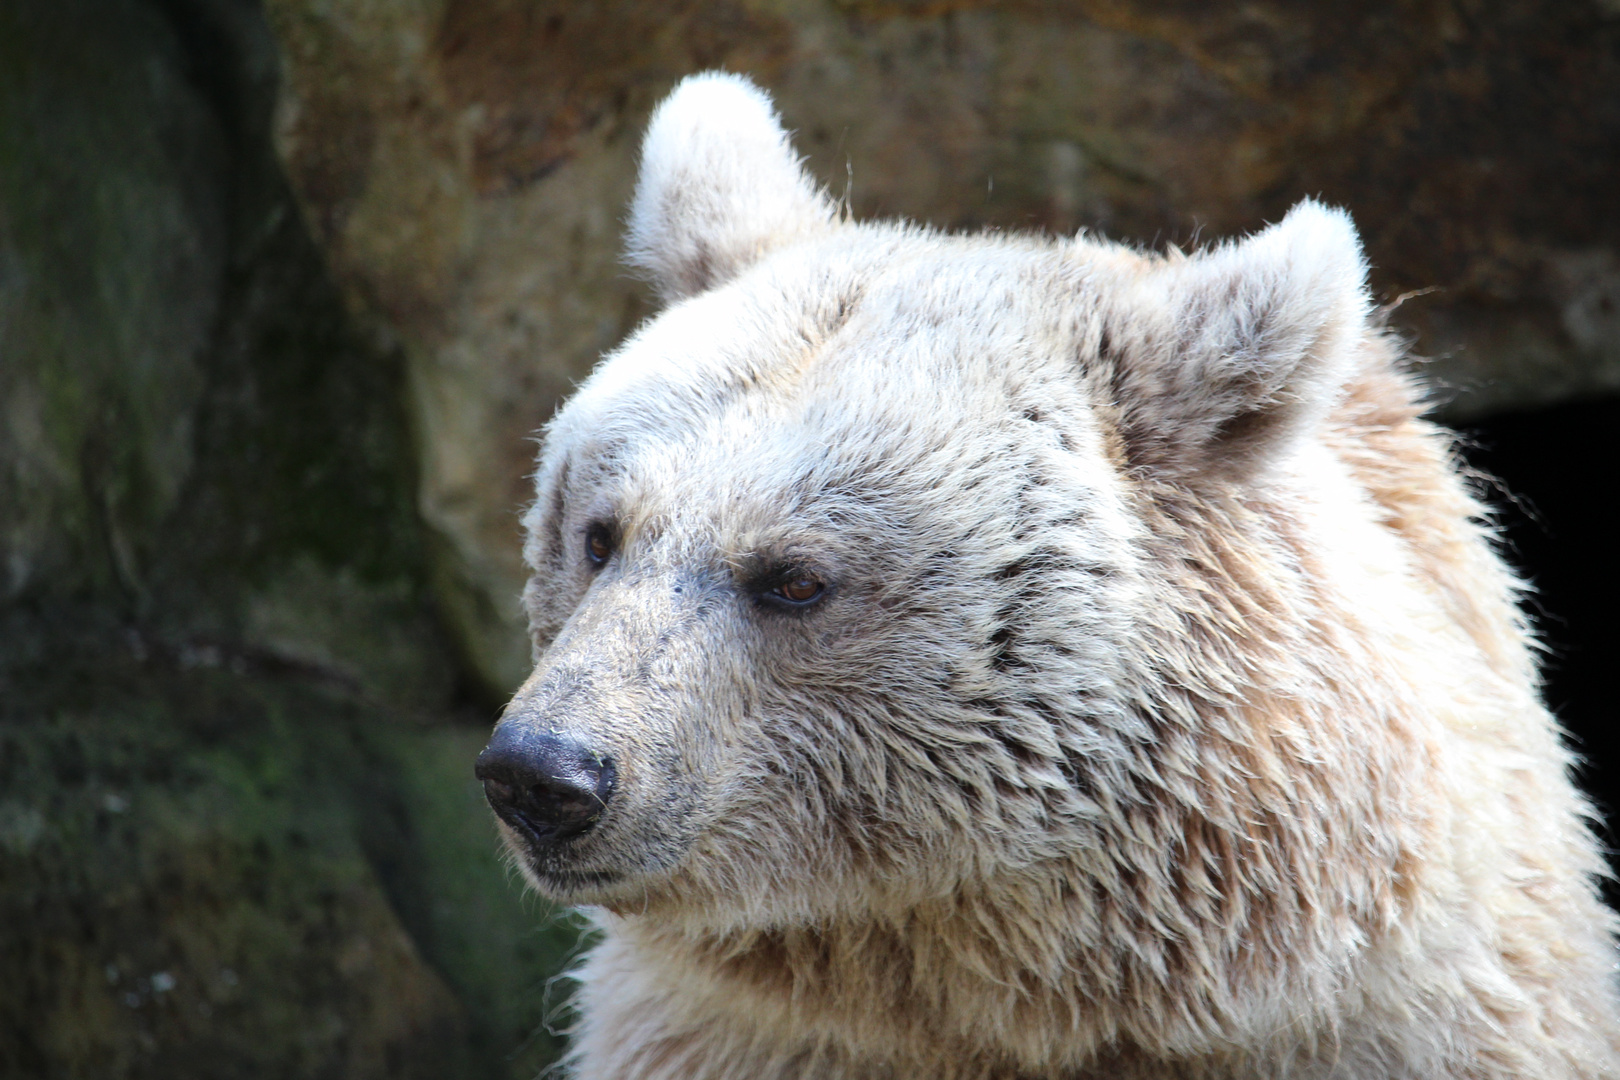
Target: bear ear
719, 187
1223, 359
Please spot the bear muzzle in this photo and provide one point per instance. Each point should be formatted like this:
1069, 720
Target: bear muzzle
547, 787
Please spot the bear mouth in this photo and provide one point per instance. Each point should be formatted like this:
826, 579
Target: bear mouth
553, 868
575, 881
589, 869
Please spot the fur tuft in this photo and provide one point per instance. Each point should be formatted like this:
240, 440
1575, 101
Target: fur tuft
720, 186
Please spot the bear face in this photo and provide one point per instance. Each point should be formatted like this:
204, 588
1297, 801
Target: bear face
1001, 649
929, 506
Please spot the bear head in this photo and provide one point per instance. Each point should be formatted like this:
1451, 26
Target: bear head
848, 565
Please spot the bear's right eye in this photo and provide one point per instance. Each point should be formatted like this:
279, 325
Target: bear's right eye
598, 545
799, 590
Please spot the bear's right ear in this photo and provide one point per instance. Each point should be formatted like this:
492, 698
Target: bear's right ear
719, 187
1223, 360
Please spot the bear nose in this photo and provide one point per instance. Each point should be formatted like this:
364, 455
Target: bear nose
546, 786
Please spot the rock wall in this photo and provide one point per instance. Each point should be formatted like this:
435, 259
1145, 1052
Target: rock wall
465, 164
239, 833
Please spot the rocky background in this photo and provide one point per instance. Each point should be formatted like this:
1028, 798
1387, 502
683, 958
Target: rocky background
285, 291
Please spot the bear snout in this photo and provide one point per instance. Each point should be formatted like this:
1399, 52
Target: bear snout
547, 787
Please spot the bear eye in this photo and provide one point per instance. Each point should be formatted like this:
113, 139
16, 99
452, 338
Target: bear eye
799, 589
598, 544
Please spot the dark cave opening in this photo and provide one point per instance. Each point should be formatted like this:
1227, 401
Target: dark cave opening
1556, 472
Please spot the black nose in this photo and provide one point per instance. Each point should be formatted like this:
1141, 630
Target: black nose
546, 786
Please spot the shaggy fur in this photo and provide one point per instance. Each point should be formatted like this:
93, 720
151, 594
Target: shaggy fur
1166, 712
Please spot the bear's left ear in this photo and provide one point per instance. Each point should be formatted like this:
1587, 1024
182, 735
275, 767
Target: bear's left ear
719, 187
1222, 359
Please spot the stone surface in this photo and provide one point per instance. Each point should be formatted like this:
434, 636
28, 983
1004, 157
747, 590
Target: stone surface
209, 869
465, 164
239, 832
110, 283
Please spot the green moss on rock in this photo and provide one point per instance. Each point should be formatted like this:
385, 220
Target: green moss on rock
218, 873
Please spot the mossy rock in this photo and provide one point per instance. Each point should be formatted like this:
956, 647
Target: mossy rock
209, 872
239, 832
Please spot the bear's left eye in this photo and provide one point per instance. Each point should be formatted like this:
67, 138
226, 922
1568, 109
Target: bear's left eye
800, 589
598, 544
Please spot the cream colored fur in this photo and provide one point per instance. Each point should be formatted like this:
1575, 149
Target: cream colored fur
1167, 712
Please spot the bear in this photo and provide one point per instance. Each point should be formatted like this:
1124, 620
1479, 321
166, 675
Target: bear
1001, 657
